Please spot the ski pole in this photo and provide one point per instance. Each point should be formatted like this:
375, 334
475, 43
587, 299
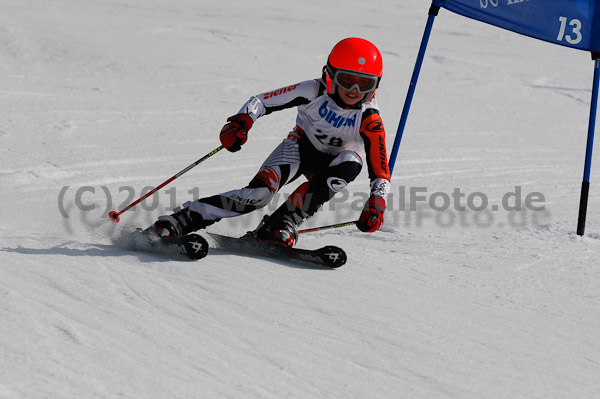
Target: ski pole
331, 226
116, 216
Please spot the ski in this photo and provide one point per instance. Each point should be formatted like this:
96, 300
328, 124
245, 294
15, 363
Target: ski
328, 256
194, 247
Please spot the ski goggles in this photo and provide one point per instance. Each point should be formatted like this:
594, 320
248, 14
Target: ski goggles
349, 80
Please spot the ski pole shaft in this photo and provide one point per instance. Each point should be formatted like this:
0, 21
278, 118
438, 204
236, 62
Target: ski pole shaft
115, 216
331, 226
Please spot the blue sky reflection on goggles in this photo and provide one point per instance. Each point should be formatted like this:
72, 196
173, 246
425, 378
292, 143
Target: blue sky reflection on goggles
349, 80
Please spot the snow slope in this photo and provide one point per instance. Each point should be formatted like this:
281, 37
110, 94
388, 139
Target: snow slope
101, 99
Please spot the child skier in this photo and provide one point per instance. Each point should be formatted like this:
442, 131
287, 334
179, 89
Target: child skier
337, 115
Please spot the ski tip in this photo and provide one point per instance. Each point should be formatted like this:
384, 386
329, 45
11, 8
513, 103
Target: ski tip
334, 256
197, 247
192, 246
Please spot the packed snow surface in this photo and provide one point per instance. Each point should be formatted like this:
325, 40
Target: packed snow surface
476, 287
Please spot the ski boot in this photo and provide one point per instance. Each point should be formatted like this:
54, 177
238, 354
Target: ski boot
180, 223
279, 229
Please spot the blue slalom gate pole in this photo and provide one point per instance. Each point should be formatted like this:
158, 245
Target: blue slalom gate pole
433, 12
585, 185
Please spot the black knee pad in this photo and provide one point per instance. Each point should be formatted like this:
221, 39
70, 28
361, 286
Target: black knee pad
346, 165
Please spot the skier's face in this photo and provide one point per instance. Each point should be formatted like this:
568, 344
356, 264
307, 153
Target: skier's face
351, 97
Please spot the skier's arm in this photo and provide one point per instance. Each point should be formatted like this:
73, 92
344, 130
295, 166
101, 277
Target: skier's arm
282, 98
235, 133
373, 135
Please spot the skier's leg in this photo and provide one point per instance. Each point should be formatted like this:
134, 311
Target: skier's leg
279, 168
309, 197
194, 215
199, 214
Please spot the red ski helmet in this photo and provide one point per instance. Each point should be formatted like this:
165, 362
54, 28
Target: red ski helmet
357, 56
